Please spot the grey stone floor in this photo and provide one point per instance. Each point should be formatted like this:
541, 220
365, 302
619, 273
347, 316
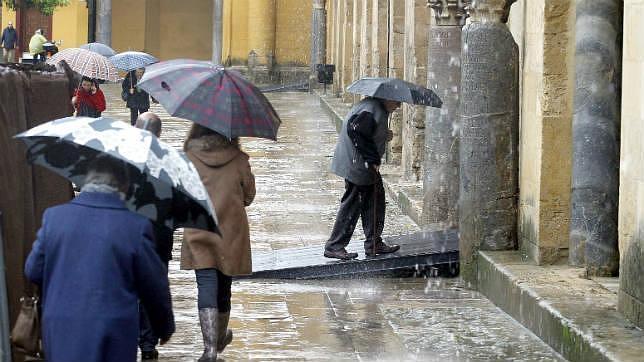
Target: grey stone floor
410, 319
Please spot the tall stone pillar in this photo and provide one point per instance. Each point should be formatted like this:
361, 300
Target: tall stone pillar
104, 22
395, 69
366, 17
318, 33
379, 38
261, 32
356, 47
348, 49
217, 30
489, 134
318, 39
595, 134
440, 182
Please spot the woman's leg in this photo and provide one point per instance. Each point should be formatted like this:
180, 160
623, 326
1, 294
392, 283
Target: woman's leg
134, 114
207, 303
225, 335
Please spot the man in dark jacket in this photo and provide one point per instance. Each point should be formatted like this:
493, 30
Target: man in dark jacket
163, 243
361, 145
9, 41
137, 100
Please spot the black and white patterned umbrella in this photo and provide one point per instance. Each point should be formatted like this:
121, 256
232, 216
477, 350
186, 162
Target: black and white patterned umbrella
165, 186
129, 61
99, 48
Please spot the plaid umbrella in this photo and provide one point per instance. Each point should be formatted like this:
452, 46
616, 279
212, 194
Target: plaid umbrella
99, 48
129, 61
87, 63
165, 186
212, 96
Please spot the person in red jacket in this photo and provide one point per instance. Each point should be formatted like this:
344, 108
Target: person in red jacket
88, 100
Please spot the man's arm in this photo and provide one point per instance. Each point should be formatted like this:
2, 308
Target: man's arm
361, 129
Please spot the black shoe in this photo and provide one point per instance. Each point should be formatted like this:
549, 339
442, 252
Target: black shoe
150, 355
381, 248
341, 254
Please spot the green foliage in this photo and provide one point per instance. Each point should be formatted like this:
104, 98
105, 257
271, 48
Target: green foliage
46, 7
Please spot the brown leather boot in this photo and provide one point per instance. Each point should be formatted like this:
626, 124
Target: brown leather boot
341, 254
381, 248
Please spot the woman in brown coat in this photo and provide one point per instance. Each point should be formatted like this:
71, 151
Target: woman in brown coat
226, 173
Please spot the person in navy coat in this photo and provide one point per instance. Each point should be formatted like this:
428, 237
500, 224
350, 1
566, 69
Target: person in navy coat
94, 259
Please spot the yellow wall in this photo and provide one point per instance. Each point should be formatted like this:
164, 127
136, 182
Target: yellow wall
235, 34
70, 25
128, 25
8, 15
186, 29
293, 32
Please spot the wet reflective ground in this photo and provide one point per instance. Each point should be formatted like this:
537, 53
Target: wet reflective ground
409, 319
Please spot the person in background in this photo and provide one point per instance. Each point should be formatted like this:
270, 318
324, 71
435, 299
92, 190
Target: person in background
361, 144
226, 174
9, 41
148, 340
88, 100
94, 260
36, 46
137, 100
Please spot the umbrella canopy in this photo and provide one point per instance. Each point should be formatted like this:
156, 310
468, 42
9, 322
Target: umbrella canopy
165, 186
99, 48
212, 96
395, 90
129, 61
87, 63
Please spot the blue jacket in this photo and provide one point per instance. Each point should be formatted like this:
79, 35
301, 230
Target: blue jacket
9, 38
94, 260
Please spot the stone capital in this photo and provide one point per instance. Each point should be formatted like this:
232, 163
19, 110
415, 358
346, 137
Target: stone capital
448, 12
489, 11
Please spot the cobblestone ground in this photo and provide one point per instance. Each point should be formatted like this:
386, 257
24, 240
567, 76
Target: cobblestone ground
408, 319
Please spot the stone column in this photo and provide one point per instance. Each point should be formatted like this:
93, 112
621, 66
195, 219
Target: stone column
217, 30
347, 49
379, 38
104, 22
488, 145
318, 38
395, 69
261, 32
366, 17
440, 182
631, 188
355, 53
595, 133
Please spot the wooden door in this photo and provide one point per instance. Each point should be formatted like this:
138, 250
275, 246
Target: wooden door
30, 20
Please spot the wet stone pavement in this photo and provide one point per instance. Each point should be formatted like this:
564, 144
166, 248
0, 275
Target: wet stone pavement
409, 319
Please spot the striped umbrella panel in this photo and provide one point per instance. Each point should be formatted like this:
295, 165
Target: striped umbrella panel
87, 63
129, 61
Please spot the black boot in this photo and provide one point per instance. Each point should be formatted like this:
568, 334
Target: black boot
208, 321
225, 335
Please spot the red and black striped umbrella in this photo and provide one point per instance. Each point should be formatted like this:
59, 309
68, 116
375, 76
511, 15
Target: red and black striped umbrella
217, 98
87, 63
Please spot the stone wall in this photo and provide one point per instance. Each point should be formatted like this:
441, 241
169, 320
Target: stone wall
395, 69
544, 31
631, 200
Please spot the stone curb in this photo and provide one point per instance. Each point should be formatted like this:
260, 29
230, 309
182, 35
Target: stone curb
578, 328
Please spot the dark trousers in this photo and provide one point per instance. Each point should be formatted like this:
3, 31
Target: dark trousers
213, 289
147, 339
134, 114
367, 202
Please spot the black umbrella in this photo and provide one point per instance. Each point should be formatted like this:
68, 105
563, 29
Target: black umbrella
395, 90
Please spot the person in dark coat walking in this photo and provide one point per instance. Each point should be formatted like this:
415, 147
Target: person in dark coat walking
361, 145
163, 235
94, 260
9, 41
137, 100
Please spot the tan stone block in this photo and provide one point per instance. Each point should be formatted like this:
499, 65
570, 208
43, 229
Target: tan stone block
633, 30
